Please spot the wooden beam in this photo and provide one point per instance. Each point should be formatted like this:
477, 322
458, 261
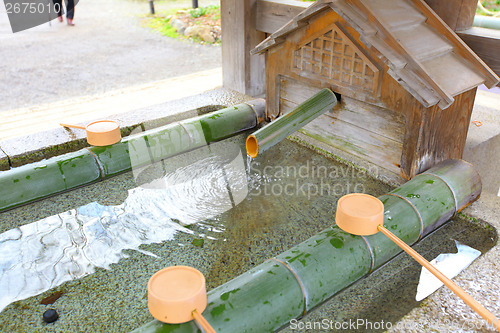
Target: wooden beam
486, 44
273, 14
240, 70
458, 14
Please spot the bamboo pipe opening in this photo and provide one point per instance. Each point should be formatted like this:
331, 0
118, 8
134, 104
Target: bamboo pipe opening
252, 146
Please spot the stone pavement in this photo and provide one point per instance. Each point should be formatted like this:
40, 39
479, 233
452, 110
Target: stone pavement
107, 49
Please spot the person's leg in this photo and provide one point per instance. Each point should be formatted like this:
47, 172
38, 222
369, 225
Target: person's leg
58, 9
70, 11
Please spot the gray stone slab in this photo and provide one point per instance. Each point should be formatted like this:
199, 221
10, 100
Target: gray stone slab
43, 145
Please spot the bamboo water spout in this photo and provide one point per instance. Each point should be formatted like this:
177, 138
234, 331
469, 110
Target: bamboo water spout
282, 127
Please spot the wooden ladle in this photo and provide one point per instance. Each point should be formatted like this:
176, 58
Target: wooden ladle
363, 215
100, 133
177, 294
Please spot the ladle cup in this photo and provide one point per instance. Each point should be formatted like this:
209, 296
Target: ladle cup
100, 133
177, 294
363, 215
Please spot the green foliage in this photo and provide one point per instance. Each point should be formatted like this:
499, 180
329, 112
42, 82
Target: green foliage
199, 16
493, 5
490, 7
162, 25
202, 11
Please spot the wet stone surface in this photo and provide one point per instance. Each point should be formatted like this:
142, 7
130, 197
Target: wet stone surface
268, 218
288, 196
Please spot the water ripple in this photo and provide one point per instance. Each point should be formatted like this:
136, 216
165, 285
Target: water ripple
72, 244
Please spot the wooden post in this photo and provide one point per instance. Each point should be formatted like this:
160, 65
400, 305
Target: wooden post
433, 135
241, 71
486, 44
458, 14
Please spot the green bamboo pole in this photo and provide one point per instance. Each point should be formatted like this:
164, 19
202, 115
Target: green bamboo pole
39, 180
264, 299
157, 144
426, 202
282, 127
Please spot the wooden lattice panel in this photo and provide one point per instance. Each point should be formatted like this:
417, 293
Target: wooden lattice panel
335, 57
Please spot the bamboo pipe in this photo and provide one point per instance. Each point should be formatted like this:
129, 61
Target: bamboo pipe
282, 127
268, 296
476, 306
38, 180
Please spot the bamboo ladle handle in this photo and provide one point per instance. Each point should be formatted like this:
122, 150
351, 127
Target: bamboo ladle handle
202, 322
481, 310
73, 126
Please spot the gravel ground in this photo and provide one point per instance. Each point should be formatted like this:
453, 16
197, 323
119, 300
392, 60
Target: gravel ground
106, 49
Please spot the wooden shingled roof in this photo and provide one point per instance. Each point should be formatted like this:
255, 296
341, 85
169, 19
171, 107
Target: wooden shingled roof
423, 54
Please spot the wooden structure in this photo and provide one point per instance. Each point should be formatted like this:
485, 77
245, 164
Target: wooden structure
407, 82
245, 23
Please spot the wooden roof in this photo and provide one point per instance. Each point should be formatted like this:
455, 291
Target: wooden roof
423, 54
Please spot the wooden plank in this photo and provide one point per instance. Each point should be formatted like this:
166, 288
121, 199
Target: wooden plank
369, 146
458, 14
392, 58
433, 135
452, 73
296, 91
273, 14
460, 47
486, 44
384, 122
395, 13
367, 131
287, 106
241, 71
443, 132
388, 37
422, 42
299, 21
418, 89
353, 17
